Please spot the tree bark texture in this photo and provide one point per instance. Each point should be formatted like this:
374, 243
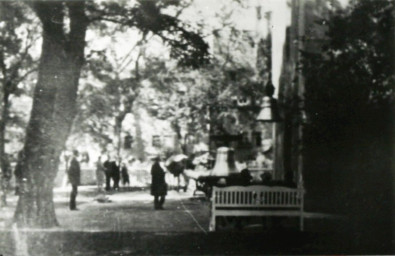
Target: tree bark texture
53, 111
3, 122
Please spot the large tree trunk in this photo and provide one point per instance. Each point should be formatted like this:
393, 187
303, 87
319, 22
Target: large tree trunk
3, 122
54, 106
3, 165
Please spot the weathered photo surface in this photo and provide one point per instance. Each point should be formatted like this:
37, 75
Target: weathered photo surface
197, 127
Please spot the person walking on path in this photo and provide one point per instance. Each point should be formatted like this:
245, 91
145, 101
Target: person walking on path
158, 184
74, 174
100, 172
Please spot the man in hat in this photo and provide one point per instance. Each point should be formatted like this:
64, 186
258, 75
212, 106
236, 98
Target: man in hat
74, 174
158, 184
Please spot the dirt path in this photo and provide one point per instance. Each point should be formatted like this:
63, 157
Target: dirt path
133, 212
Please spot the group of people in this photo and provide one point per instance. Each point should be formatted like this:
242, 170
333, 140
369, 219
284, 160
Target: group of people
110, 171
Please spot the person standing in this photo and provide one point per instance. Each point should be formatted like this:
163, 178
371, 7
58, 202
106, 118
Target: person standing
115, 174
100, 172
125, 175
158, 184
74, 174
107, 172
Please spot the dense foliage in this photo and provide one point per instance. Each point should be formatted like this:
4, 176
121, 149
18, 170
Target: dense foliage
352, 79
350, 105
192, 100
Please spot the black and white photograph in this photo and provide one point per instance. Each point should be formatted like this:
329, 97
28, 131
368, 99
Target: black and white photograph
197, 127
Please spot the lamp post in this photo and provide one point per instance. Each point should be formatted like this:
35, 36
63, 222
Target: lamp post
269, 113
302, 119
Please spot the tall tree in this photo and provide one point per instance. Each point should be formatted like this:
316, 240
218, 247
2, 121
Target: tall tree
54, 105
53, 108
16, 63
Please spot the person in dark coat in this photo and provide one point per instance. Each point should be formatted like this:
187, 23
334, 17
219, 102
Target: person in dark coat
246, 177
74, 174
125, 175
158, 184
115, 174
107, 172
112, 173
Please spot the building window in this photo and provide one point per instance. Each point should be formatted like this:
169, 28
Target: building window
156, 141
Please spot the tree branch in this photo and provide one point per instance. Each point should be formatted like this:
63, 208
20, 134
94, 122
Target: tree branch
14, 70
143, 39
186, 45
23, 77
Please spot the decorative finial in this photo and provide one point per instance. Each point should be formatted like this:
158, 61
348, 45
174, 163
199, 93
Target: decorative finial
269, 88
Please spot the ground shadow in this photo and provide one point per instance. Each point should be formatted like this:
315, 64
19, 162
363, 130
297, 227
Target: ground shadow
218, 243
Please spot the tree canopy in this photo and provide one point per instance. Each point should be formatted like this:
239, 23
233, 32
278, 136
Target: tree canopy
350, 105
354, 73
64, 28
